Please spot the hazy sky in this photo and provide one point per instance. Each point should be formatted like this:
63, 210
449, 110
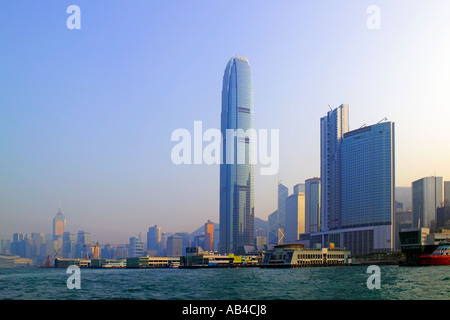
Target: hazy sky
86, 115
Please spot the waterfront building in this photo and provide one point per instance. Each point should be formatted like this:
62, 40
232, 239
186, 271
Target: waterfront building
236, 176
68, 245
135, 247
154, 241
332, 129
427, 196
295, 217
295, 255
312, 205
59, 225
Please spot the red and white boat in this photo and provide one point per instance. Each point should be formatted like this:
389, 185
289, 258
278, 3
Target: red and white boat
439, 257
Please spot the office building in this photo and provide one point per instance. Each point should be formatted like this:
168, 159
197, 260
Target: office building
300, 187
427, 196
295, 217
68, 245
312, 205
237, 176
209, 236
135, 248
83, 249
154, 241
332, 129
174, 246
59, 224
447, 193
277, 220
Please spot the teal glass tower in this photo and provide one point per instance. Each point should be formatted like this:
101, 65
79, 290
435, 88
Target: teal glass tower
236, 176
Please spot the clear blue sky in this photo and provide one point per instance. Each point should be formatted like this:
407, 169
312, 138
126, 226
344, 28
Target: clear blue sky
86, 115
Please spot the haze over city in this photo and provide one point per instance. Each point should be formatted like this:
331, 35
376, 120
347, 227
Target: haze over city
86, 115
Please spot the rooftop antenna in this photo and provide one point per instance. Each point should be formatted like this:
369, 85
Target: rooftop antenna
331, 109
382, 120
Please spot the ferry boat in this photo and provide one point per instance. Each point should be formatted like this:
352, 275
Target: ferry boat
440, 256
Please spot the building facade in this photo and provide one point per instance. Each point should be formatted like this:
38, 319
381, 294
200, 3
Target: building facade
332, 129
312, 205
154, 241
427, 196
295, 217
237, 176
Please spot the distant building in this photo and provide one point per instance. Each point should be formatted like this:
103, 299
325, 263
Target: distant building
427, 196
443, 218
312, 205
447, 193
277, 220
300, 187
209, 236
295, 217
154, 241
135, 248
68, 245
59, 225
83, 240
174, 246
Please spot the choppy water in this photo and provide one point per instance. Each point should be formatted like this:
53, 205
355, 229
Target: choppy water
338, 283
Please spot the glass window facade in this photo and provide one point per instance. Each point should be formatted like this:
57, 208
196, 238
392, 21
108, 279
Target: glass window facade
367, 176
237, 177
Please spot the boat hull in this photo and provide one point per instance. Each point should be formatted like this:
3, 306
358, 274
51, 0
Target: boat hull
435, 260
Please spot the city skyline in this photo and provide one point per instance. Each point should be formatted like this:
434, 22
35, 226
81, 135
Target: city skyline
97, 137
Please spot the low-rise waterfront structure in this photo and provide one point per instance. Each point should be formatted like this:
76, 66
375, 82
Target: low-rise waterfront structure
295, 255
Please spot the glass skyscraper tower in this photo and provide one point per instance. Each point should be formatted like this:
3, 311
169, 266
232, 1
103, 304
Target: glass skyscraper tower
332, 129
237, 177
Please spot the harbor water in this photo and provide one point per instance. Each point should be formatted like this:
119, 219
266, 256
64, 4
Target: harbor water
333, 283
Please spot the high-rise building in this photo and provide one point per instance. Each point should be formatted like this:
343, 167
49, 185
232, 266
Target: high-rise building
299, 187
83, 240
209, 236
427, 196
332, 129
368, 182
238, 151
312, 205
367, 176
154, 241
68, 245
59, 225
174, 246
38, 240
447, 193
135, 248
295, 217
277, 220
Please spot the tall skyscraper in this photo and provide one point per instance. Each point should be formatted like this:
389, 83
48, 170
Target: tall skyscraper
447, 193
209, 236
154, 240
368, 180
59, 225
295, 217
332, 129
427, 196
277, 220
312, 205
174, 246
237, 176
